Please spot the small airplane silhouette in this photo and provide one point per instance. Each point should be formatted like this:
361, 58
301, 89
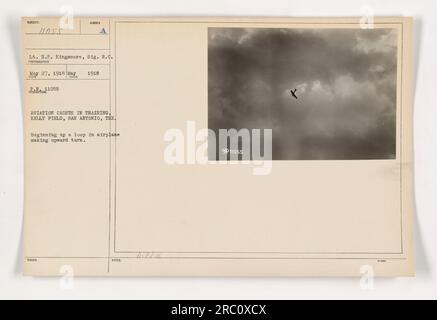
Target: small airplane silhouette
293, 93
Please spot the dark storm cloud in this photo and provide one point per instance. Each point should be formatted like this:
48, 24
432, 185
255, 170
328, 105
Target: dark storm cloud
346, 80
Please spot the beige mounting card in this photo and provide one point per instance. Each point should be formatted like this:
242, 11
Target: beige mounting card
218, 146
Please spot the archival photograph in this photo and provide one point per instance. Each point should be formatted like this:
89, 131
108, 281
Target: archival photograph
325, 94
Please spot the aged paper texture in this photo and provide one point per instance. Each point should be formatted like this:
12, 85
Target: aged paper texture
218, 146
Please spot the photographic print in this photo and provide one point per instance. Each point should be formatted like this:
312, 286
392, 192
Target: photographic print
329, 102
326, 94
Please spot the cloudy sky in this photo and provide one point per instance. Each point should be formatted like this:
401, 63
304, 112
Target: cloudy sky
346, 88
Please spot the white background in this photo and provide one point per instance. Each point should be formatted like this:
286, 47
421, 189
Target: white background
14, 285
